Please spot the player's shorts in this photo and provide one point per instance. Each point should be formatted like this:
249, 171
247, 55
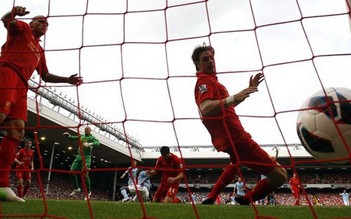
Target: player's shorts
23, 175
77, 164
249, 151
143, 191
13, 98
296, 194
166, 190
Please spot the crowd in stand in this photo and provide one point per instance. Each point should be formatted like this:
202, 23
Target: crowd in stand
305, 177
58, 189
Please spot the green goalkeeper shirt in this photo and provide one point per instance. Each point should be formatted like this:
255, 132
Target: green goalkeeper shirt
86, 138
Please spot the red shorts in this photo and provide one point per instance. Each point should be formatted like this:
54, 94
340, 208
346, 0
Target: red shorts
169, 190
257, 159
13, 98
25, 175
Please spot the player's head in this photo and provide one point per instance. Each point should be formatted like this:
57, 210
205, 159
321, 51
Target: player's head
203, 59
27, 143
39, 25
164, 151
87, 130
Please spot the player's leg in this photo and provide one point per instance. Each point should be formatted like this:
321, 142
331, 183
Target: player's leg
144, 194
27, 182
171, 193
160, 193
76, 165
226, 178
125, 193
8, 149
276, 175
86, 176
19, 175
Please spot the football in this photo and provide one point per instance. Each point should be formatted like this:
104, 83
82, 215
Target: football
324, 125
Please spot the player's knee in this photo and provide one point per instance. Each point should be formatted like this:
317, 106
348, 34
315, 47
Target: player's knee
2, 117
282, 176
277, 177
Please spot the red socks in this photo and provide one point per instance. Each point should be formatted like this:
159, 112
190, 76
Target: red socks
25, 191
8, 149
20, 191
222, 182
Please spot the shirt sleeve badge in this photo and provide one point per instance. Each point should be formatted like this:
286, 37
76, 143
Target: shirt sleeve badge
202, 88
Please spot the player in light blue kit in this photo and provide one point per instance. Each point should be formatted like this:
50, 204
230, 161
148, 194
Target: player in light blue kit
143, 186
345, 198
239, 188
132, 173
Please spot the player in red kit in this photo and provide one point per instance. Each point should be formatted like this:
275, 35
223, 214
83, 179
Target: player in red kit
21, 55
172, 172
217, 112
24, 163
295, 188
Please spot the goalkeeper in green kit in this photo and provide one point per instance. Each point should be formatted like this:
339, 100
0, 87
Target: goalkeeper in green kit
88, 141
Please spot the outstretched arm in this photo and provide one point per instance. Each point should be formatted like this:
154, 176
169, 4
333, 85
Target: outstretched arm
73, 79
9, 18
210, 107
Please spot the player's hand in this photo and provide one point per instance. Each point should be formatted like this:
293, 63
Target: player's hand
19, 10
74, 79
242, 95
256, 80
66, 134
87, 144
170, 180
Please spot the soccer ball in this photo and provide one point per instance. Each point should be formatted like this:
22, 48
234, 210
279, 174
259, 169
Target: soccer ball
324, 127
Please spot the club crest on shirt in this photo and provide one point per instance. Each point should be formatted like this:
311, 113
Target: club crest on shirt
202, 88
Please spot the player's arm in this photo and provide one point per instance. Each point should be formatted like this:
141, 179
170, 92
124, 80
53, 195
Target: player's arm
125, 173
210, 107
52, 78
18, 162
32, 162
9, 18
174, 179
73, 137
152, 172
94, 142
32, 165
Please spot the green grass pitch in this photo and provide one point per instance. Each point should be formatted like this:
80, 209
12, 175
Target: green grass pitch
108, 210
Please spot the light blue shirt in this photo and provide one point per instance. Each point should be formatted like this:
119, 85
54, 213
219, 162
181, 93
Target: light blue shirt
132, 174
240, 189
142, 176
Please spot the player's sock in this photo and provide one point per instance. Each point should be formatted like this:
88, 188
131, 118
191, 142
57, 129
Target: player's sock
261, 190
25, 190
74, 180
124, 193
222, 182
20, 191
8, 149
87, 183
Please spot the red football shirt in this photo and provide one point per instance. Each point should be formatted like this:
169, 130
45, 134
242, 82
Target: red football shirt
294, 185
225, 126
173, 163
25, 156
23, 52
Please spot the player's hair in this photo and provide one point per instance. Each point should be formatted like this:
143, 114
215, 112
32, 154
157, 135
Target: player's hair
164, 150
197, 52
27, 140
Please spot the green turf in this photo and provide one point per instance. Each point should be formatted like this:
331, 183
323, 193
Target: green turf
103, 209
